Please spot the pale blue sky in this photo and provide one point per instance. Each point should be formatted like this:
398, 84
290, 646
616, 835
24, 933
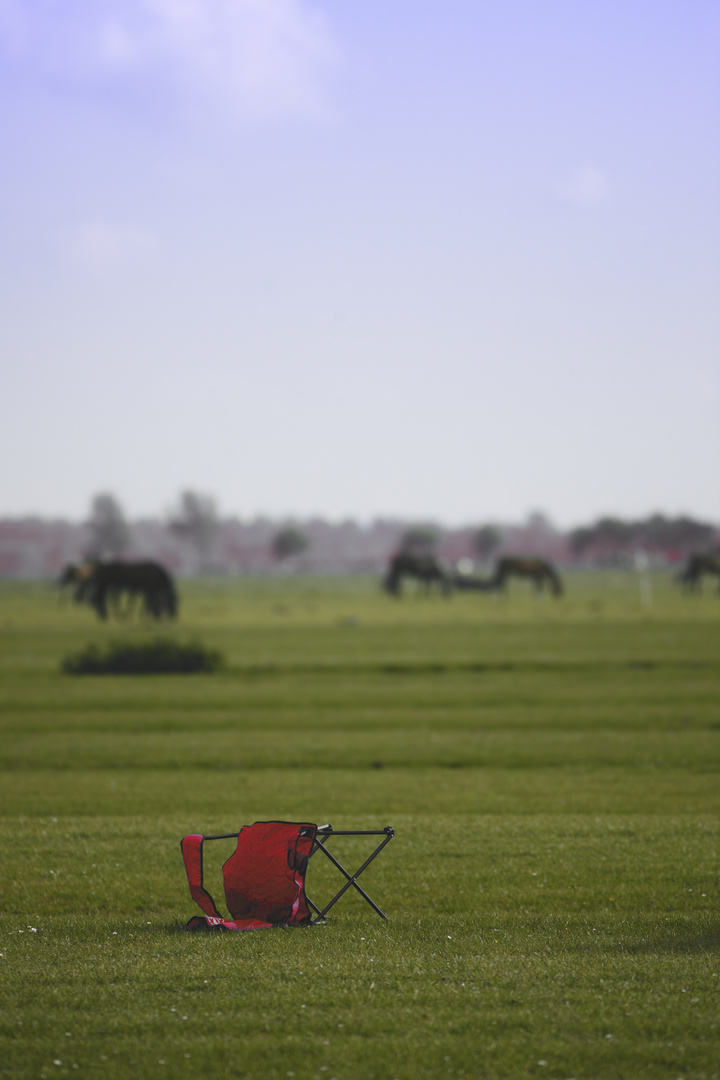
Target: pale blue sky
455, 261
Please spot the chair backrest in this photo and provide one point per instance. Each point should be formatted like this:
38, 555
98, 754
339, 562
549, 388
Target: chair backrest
264, 878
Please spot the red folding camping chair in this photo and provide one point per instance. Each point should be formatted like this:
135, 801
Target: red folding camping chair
264, 878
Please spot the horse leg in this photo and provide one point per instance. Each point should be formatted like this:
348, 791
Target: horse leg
391, 584
99, 602
130, 603
146, 605
116, 604
446, 586
152, 603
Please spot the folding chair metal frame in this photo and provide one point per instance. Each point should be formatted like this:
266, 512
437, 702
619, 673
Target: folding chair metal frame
324, 833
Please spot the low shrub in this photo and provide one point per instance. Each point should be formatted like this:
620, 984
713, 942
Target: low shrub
162, 656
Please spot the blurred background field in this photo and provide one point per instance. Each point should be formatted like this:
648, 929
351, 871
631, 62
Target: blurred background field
551, 770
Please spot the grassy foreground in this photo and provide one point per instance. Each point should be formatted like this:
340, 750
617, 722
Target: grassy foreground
551, 771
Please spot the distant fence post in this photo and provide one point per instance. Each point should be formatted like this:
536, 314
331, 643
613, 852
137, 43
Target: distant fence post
642, 566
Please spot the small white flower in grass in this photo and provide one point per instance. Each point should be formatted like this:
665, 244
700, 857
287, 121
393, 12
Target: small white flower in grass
184, 1017
449, 937
161, 1061
114, 933
32, 929
326, 1042
541, 1062
609, 1035
57, 1061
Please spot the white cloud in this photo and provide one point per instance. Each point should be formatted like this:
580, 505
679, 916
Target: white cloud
116, 44
101, 246
258, 58
263, 57
588, 187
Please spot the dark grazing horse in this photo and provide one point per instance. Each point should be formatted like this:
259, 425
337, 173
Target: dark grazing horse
539, 571
424, 568
697, 566
100, 583
84, 577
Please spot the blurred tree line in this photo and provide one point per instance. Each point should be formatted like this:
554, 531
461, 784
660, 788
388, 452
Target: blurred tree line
197, 521
657, 534
194, 538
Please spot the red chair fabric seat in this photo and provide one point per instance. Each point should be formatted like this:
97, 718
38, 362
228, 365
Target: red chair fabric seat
264, 878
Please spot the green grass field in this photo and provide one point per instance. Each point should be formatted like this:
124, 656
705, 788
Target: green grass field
551, 772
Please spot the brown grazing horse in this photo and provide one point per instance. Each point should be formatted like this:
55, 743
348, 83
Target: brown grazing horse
539, 571
697, 566
424, 568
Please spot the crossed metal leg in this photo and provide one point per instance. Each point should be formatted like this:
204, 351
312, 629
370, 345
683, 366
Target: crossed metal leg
323, 835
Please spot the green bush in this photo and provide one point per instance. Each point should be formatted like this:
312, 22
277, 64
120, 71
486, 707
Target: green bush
156, 657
